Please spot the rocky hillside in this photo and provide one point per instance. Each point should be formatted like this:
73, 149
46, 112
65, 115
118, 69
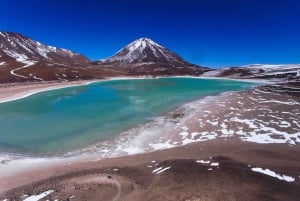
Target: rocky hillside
23, 59
259, 71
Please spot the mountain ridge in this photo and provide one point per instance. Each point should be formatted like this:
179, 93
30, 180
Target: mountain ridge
23, 48
23, 59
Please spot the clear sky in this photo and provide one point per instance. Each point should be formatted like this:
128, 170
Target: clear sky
214, 33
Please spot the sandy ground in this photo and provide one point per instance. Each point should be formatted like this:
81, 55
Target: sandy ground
215, 144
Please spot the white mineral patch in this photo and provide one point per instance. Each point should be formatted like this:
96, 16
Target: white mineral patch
214, 164
38, 197
273, 174
163, 170
203, 161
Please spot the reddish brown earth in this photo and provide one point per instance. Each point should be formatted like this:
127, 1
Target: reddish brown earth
185, 180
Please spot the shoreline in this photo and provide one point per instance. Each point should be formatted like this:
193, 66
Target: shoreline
113, 147
24, 90
96, 152
175, 129
43, 87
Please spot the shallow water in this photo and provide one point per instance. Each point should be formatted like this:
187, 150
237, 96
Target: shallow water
62, 120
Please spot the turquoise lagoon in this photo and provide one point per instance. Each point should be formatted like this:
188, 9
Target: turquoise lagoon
55, 122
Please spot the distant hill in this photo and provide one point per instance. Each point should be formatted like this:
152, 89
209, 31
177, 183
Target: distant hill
259, 71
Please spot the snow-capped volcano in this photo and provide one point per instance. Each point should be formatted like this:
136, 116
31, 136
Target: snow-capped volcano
144, 51
24, 50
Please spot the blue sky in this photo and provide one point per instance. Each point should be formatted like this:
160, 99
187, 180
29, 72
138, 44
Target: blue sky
214, 33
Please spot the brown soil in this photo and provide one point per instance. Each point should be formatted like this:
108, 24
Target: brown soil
131, 177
